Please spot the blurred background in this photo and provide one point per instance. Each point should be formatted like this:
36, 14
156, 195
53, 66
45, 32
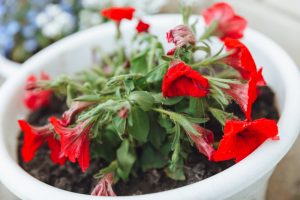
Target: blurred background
27, 26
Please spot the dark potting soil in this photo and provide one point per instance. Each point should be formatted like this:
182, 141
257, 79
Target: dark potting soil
69, 177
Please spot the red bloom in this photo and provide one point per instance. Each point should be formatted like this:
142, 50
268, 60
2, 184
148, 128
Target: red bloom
228, 23
203, 141
242, 138
142, 27
35, 137
242, 60
118, 13
181, 35
36, 99
245, 94
75, 108
182, 80
171, 51
75, 141
104, 187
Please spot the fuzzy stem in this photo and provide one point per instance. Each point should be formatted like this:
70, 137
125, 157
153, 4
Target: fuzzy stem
209, 31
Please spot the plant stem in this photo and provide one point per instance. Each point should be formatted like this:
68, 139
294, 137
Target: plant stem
209, 31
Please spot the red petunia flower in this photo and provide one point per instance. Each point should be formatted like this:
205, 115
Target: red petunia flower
74, 141
104, 187
245, 94
228, 23
203, 141
242, 60
76, 107
182, 80
35, 137
117, 14
142, 27
181, 35
36, 99
242, 138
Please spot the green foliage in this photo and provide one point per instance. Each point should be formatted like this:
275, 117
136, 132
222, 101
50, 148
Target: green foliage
152, 135
126, 157
139, 124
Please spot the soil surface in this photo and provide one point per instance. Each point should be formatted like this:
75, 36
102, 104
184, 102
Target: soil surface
69, 177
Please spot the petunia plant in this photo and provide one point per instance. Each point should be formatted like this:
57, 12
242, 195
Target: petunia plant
148, 108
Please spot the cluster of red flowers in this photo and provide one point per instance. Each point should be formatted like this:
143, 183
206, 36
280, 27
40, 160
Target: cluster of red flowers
117, 14
240, 137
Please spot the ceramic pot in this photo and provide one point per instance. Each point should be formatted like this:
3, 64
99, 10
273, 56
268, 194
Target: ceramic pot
245, 180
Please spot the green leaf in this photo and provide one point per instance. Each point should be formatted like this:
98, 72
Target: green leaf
197, 107
92, 97
220, 115
157, 134
152, 158
177, 173
110, 168
180, 119
119, 125
126, 158
158, 73
197, 120
143, 99
139, 128
100, 147
166, 101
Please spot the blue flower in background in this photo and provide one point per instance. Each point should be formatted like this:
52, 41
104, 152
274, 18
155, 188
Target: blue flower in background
30, 45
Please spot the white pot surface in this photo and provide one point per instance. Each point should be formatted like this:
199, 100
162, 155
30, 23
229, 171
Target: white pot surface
245, 180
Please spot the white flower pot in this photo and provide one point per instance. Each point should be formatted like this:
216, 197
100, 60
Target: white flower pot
245, 180
7, 67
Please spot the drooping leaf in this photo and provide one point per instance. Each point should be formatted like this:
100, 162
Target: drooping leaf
152, 158
139, 128
158, 73
119, 125
143, 99
166, 101
220, 115
126, 158
138, 64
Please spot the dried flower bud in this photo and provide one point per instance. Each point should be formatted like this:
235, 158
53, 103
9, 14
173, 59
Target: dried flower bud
75, 108
104, 187
123, 113
203, 141
181, 35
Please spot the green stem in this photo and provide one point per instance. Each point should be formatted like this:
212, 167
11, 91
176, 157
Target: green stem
211, 60
151, 57
118, 36
209, 31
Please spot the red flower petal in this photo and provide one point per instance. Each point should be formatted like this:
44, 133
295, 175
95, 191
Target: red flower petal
242, 60
104, 187
75, 108
36, 99
74, 141
34, 137
55, 148
241, 138
182, 80
229, 24
203, 141
118, 13
171, 51
245, 94
142, 27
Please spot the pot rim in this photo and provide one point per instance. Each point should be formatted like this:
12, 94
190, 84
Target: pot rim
225, 183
